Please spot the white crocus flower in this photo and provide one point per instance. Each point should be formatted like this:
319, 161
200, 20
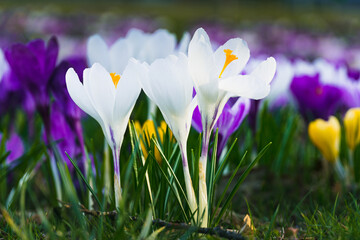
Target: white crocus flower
145, 47
109, 99
217, 77
168, 84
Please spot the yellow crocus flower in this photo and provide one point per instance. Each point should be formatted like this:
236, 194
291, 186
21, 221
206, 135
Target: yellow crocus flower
326, 137
352, 127
147, 131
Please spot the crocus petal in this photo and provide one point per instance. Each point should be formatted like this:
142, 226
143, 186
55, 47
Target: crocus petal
78, 94
37, 47
19, 57
202, 65
52, 51
352, 127
101, 90
184, 43
196, 120
326, 136
254, 86
97, 51
169, 85
15, 146
127, 91
240, 49
137, 39
4, 66
160, 73
120, 53
315, 100
160, 44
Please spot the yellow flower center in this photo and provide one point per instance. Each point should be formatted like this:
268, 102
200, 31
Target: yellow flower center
229, 58
115, 78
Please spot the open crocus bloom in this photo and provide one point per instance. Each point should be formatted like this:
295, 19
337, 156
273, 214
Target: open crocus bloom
145, 47
315, 99
217, 77
326, 136
352, 127
109, 98
33, 65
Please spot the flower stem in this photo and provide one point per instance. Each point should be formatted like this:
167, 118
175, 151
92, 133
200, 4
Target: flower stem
351, 166
203, 198
107, 175
189, 186
340, 170
117, 182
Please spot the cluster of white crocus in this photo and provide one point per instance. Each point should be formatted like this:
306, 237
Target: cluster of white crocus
145, 47
167, 78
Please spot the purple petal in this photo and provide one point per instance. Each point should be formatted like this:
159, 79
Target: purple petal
24, 64
315, 100
15, 146
52, 51
196, 120
58, 86
231, 119
61, 132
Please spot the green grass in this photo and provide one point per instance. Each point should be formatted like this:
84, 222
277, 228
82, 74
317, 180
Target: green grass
287, 193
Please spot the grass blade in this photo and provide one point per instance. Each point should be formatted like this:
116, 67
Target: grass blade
173, 189
241, 179
229, 182
85, 181
220, 169
172, 172
272, 222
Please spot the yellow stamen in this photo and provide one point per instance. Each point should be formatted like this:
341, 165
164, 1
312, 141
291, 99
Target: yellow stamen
229, 58
115, 78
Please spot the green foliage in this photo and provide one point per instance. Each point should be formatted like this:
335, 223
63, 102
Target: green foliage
288, 187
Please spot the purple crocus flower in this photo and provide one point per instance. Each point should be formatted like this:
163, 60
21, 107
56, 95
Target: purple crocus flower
315, 99
235, 110
15, 146
33, 65
62, 133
